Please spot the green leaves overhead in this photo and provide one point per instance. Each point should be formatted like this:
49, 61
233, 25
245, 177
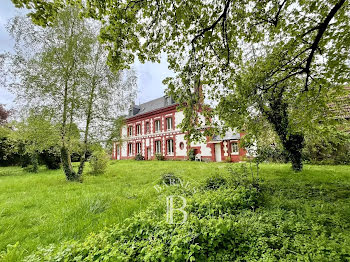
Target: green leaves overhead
256, 60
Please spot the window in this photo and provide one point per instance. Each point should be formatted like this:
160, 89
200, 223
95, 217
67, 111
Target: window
157, 126
147, 128
182, 146
118, 150
170, 146
130, 130
234, 148
168, 100
158, 147
169, 123
138, 129
138, 148
131, 149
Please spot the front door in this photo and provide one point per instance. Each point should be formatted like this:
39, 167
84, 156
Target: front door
218, 152
149, 153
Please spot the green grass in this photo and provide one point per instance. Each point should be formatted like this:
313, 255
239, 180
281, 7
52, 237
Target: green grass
40, 209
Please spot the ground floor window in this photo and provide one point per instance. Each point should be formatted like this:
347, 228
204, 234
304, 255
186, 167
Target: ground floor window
130, 149
118, 150
138, 148
234, 148
158, 147
170, 147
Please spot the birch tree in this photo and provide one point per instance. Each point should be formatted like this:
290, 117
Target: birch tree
62, 68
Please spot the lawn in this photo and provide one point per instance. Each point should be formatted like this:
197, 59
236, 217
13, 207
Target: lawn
40, 209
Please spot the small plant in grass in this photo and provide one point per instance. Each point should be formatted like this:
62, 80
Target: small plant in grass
240, 175
99, 162
214, 182
139, 157
160, 157
170, 179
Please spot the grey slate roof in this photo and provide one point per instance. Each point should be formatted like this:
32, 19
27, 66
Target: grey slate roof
228, 136
150, 106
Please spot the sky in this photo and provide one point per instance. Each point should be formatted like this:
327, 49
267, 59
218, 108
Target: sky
150, 75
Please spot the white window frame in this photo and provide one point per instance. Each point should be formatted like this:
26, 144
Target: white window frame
156, 127
148, 130
131, 149
168, 143
234, 152
158, 145
130, 131
138, 129
169, 120
138, 148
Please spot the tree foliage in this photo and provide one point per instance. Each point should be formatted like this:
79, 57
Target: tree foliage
279, 62
275, 61
62, 68
4, 114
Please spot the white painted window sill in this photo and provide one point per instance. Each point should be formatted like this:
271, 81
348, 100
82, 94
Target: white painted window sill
235, 154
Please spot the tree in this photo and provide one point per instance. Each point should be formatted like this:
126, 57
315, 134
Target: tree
4, 114
37, 134
62, 68
296, 51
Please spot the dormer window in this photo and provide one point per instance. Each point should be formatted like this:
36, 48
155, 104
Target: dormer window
168, 101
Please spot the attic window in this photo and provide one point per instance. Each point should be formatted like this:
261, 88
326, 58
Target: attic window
168, 100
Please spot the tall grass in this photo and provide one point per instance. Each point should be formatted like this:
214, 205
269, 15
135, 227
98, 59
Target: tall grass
40, 209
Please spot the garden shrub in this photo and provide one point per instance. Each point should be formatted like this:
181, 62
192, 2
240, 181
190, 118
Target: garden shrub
139, 157
272, 153
160, 157
223, 201
191, 154
51, 159
334, 150
99, 162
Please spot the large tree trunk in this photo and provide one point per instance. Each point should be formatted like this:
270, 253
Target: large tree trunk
88, 120
35, 162
65, 154
293, 143
67, 165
